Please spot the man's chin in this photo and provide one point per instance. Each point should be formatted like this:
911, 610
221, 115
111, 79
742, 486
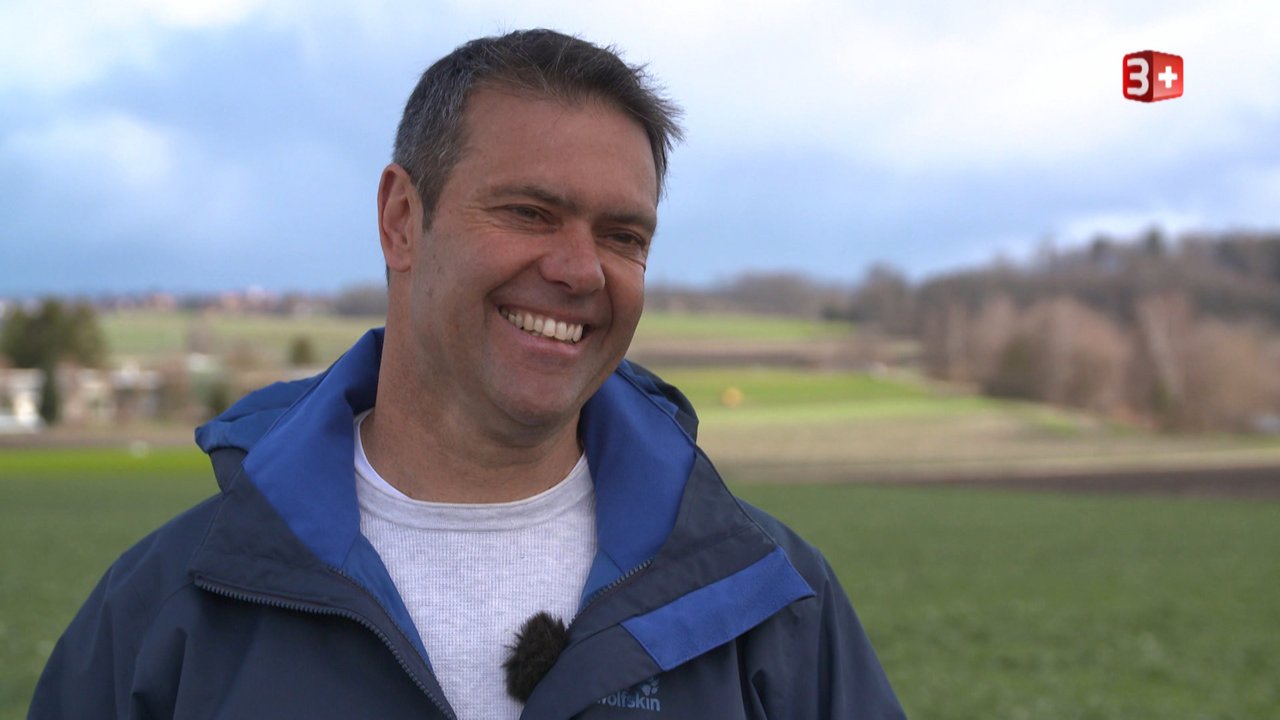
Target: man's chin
543, 402
542, 412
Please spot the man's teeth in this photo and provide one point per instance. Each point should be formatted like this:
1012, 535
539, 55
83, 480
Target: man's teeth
544, 326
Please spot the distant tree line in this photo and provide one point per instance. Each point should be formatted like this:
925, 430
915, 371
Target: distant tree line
48, 335
362, 300
1184, 336
53, 332
780, 293
1232, 278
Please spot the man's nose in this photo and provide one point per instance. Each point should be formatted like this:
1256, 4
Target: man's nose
573, 260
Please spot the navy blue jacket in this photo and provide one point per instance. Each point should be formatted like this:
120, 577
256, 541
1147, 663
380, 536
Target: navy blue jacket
267, 602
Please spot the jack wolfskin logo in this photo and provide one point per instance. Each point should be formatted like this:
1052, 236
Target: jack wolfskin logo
643, 696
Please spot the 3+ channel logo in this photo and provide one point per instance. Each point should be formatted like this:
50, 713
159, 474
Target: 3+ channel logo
1151, 76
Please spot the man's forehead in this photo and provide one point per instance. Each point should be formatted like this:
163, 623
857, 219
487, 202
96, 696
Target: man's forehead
579, 156
490, 101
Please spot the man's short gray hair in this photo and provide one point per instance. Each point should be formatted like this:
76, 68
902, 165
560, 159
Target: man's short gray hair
430, 139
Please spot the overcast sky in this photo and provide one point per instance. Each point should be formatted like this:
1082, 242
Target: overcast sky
211, 144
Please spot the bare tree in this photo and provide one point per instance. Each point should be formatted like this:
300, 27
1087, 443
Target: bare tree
944, 342
885, 299
992, 329
1164, 324
1061, 352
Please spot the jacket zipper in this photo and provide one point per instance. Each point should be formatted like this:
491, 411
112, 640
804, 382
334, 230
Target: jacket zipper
272, 601
598, 594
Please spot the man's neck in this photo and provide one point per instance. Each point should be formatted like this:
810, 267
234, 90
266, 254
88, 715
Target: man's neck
443, 460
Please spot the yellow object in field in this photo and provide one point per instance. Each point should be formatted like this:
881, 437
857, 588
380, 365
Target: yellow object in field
731, 397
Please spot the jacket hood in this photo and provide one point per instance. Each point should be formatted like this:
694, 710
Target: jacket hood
636, 431
248, 419
297, 440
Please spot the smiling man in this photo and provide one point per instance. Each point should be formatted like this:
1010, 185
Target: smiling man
482, 511
517, 300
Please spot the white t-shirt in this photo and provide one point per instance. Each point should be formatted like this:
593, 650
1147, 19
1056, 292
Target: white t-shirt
471, 574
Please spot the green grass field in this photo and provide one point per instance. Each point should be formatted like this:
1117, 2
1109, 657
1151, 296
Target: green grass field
147, 335
1019, 605
980, 604
789, 423
64, 515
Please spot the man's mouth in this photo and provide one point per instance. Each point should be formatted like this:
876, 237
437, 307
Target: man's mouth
544, 326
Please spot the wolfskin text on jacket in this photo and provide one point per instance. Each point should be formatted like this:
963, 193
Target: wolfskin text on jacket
265, 601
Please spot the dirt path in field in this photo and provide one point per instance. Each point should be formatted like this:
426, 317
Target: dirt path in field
1256, 483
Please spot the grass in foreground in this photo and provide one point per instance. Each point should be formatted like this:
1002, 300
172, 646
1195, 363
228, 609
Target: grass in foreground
64, 516
1010, 605
980, 604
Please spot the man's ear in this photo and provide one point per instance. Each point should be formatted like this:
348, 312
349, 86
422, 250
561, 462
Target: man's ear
399, 217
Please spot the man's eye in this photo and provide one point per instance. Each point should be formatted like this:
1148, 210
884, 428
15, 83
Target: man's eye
631, 240
524, 212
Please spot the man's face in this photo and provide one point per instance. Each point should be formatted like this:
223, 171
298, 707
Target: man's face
546, 218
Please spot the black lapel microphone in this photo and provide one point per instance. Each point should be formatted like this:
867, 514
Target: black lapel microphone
538, 643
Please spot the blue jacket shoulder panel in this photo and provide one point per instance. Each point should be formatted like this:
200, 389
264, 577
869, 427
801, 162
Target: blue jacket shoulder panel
831, 669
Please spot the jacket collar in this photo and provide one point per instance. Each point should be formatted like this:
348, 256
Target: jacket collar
299, 442
659, 503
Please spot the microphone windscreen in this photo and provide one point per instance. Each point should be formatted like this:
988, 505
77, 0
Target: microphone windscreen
538, 643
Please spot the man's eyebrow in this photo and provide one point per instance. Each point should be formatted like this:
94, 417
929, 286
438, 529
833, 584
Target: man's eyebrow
538, 193
645, 220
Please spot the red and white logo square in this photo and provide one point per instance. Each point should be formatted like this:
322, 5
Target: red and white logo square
1151, 76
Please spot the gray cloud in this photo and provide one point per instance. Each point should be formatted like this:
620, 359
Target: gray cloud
193, 147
